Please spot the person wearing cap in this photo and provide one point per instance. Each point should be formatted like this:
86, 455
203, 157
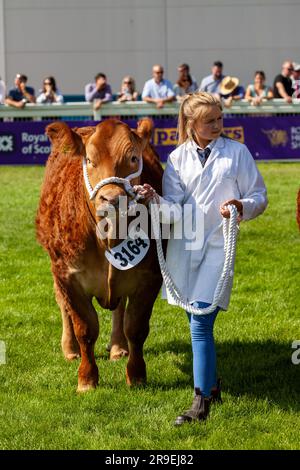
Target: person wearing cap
296, 80
230, 90
283, 83
211, 83
21, 94
258, 91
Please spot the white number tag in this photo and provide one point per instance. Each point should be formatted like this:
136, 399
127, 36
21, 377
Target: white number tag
130, 252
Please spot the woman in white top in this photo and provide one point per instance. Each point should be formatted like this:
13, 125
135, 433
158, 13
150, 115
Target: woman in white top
49, 94
258, 91
206, 171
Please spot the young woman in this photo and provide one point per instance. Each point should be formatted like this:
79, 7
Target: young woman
207, 171
258, 91
49, 94
185, 83
127, 92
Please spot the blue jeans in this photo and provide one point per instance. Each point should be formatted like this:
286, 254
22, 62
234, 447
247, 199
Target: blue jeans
203, 346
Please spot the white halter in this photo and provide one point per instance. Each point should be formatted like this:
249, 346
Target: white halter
113, 179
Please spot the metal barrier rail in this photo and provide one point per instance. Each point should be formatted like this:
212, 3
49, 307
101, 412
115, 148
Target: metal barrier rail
135, 108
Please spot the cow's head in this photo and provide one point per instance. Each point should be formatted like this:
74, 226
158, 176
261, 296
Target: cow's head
110, 149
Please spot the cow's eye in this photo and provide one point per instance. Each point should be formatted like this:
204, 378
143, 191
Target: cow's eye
90, 162
134, 159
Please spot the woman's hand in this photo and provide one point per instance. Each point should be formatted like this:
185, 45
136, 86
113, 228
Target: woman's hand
256, 101
224, 211
147, 192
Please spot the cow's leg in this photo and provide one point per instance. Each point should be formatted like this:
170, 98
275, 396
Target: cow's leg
86, 328
69, 343
136, 326
118, 341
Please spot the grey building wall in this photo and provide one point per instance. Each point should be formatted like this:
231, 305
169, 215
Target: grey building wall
75, 39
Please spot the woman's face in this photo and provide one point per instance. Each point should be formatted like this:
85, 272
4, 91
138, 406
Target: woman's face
210, 126
259, 80
127, 83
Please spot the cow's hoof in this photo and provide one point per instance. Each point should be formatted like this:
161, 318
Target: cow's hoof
135, 381
72, 356
117, 352
82, 388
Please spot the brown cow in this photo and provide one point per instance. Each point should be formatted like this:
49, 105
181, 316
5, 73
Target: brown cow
66, 228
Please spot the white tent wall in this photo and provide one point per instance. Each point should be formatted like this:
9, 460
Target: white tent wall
74, 39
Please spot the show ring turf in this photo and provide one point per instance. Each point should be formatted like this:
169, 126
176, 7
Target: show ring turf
39, 405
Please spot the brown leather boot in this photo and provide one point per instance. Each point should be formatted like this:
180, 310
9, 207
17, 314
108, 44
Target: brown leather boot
215, 395
199, 410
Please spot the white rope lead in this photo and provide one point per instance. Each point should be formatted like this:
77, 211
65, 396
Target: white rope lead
230, 239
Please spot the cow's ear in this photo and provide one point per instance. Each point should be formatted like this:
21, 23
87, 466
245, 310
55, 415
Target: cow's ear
85, 132
145, 128
64, 138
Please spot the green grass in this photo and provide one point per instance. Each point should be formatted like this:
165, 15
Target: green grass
39, 405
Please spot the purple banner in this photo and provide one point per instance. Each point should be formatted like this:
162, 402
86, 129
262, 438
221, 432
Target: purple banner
267, 137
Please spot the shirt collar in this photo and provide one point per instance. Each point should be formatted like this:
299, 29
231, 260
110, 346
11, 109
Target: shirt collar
192, 145
213, 145
210, 146
160, 83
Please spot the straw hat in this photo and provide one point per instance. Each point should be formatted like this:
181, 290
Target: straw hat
228, 84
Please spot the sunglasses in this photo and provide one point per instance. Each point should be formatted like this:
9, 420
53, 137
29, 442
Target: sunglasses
47, 83
158, 71
127, 83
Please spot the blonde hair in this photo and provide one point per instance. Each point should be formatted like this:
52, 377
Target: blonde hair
194, 106
130, 79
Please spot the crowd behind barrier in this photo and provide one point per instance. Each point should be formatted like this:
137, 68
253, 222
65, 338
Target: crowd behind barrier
160, 91
271, 131
274, 133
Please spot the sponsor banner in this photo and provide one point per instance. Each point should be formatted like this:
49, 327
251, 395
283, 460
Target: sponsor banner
267, 137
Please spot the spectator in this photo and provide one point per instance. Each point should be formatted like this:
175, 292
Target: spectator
158, 90
211, 83
259, 91
127, 92
49, 94
2, 91
185, 83
21, 94
98, 92
296, 80
230, 90
283, 83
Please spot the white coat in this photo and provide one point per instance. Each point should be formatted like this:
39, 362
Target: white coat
229, 173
